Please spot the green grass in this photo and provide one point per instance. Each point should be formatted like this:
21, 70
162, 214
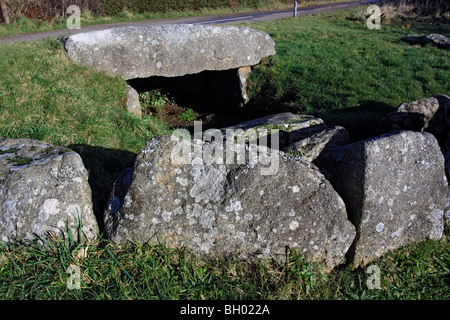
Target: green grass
327, 64
45, 97
33, 271
336, 68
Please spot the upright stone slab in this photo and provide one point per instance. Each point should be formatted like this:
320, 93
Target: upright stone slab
263, 207
43, 188
133, 103
394, 187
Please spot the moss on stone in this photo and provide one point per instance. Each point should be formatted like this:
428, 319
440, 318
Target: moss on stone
20, 161
11, 150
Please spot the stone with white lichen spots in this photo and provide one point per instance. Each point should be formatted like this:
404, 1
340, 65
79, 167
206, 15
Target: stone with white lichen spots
168, 50
210, 61
395, 190
43, 189
221, 208
311, 147
289, 127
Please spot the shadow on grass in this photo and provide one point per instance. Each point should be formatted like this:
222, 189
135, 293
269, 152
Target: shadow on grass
441, 26
104, 166
362, 122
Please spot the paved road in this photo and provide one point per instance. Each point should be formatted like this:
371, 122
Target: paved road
205, 20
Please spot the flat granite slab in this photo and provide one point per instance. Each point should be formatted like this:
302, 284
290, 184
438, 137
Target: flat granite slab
168, 50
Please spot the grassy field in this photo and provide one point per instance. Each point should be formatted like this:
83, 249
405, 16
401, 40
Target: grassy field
419, 272
330, 65
333, 66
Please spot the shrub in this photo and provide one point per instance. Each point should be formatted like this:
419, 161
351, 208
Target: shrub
47, 10
392, 10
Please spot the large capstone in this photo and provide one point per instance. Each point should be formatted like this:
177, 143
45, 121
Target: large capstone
174, 51
168, 50
262, 206
43, 189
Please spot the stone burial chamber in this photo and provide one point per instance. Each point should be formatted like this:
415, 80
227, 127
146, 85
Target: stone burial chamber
201, 62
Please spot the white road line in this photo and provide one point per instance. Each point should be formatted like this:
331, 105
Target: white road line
279, 13
222, 20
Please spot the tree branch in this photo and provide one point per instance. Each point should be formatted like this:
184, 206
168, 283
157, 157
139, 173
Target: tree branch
4, 11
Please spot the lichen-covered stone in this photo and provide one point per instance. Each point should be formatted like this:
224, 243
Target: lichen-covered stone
311, 147
133, 103
447, 214
220, 207
43, 188
394, 187
414, 115
429, 114
288, 126
437, 40
168, 50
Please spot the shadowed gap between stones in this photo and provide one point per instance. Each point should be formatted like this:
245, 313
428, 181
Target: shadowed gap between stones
104, 166
217, 96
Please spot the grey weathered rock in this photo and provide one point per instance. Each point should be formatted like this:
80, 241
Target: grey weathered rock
437, 40
43, 189
311, 147
219, 207
168, 50
243, 75
430, 114
414, 115
133, 103
289, 127
394, 188
447, 214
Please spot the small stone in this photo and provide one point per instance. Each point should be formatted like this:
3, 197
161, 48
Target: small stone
43, 187
311, 147
133, 103
288, 126
437, 40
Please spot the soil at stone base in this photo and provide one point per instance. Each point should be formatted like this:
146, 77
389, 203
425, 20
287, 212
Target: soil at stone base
170, 113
